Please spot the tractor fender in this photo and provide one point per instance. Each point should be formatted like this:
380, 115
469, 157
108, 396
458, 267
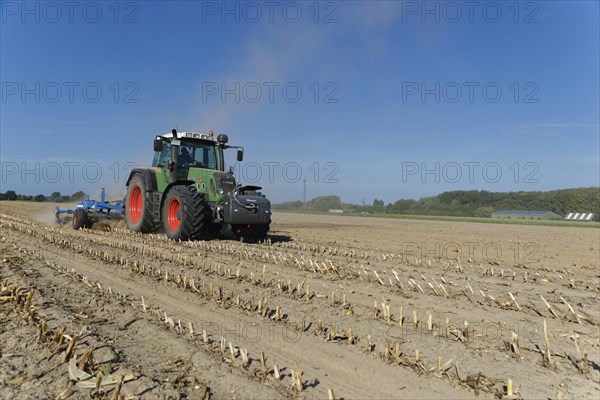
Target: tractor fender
169, 186
149, 177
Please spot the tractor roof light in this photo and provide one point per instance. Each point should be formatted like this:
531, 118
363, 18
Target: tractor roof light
189, 135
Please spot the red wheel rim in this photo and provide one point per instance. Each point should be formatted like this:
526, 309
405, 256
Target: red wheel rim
173, 218
136, 203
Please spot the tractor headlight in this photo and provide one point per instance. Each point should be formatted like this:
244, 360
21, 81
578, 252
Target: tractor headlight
220, 191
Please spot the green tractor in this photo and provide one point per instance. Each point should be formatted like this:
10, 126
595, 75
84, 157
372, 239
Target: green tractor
188, 191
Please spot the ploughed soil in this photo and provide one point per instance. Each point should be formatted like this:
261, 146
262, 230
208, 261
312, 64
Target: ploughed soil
329, 306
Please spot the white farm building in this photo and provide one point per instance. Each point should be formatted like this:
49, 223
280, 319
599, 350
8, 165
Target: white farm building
582, 217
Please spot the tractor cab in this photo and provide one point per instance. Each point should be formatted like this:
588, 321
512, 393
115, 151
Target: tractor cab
182, 154
192, 155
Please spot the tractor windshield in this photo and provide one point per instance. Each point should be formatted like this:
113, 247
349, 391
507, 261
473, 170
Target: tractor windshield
197, 154
191, 154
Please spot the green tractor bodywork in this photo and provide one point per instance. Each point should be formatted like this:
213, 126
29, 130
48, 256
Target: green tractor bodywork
188, 191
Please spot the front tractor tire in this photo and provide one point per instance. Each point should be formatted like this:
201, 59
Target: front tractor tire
185, 215
138, 207
81, 219
250, 233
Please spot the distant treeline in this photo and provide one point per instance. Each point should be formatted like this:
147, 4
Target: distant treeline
55, 197
465, 203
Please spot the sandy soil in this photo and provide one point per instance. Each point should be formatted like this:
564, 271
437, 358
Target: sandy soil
332, 302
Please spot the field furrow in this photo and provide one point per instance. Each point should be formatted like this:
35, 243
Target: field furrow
330, 305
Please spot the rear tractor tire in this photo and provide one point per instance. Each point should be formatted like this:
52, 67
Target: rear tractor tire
138, 208
81, 219
186, 215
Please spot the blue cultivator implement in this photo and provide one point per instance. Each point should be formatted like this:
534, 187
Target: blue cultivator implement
89, 211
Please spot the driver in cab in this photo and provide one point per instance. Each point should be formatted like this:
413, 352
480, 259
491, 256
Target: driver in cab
184, 158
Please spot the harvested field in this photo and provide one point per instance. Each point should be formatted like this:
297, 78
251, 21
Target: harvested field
330, 306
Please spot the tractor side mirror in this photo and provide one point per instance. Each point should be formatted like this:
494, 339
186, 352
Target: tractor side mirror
158, 145
240, 155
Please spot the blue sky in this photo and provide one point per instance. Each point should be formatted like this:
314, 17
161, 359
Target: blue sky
363, 99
